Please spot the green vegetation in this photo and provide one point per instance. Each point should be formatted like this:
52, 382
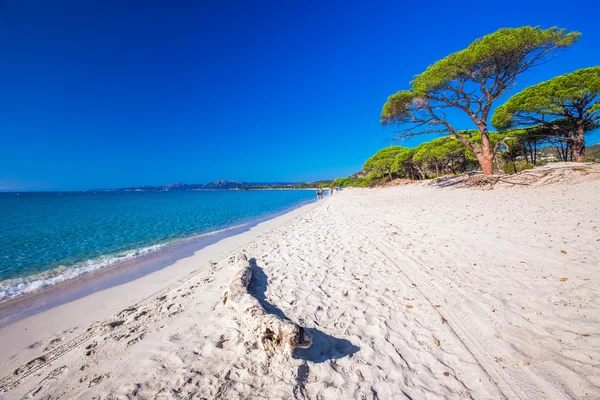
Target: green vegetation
545, 122
471, 80
444, 155
568, 106
593, 153
382, 162
516, 166
521, 149
302, 185
346, 182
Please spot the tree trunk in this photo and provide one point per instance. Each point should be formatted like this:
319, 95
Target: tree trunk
565, 151
420, 172
485, 156
487, 165
571, 152
559, 152
484, 153
437, 169
578, 148
498, 165
486, 162
579, 143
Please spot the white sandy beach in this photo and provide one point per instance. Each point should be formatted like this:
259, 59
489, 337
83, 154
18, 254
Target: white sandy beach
408, 292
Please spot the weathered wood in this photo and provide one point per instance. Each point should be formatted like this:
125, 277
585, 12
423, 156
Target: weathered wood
272, 332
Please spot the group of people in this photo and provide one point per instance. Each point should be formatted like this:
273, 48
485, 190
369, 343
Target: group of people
320, 192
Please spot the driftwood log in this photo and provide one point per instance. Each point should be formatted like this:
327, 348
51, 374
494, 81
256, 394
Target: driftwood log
273, 333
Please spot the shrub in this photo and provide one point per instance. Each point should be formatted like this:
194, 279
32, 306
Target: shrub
515, 167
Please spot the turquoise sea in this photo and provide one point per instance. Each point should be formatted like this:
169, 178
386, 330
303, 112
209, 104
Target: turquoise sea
46, 238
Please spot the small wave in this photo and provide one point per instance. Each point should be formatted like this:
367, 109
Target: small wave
12, 288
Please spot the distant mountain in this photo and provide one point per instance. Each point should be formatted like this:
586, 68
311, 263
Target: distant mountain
215, 185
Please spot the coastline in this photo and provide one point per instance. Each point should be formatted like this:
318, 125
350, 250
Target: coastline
177, 258
81, 258
116, 269
102, 264
409, 291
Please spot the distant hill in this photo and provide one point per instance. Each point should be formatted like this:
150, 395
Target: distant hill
359, 174
216, 185
591, 152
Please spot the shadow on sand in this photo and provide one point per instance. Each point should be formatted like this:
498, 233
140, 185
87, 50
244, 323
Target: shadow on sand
451, 181
324, 347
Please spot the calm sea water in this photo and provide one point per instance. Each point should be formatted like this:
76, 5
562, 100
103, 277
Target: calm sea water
49, 237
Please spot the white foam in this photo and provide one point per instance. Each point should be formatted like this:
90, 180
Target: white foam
12, 288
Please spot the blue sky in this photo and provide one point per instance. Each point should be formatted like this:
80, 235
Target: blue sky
126, 93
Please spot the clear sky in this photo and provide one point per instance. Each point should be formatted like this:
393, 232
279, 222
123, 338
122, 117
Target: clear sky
115, 93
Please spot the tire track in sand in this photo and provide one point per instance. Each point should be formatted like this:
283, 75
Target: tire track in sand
510, 385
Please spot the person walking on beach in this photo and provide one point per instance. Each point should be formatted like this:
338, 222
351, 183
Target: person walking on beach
331, 191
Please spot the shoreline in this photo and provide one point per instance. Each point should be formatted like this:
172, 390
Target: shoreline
101, 263
60, 192
411, 291
39, 274
122, 272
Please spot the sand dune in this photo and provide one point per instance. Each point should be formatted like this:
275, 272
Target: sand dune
408, 292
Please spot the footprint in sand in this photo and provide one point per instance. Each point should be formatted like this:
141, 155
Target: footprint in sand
48, 381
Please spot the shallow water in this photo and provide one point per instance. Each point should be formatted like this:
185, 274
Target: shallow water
46, 238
